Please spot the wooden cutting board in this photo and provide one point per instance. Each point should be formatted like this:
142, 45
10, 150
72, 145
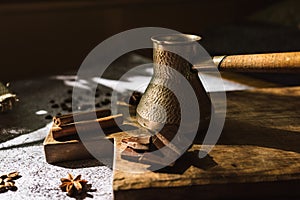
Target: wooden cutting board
257, 155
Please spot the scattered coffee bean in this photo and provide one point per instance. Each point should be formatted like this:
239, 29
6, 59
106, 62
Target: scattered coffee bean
14, 175
55, 106
68, 100
3, 189
98, 105
8, 184
13, 188
48, 117
105, 102
3, 177
64, 106
70, 91
8, 179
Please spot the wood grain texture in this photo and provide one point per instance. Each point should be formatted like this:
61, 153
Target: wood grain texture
60, 151
71, 148
259, 147
270, 62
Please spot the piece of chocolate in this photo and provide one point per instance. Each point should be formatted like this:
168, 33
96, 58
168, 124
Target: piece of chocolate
151, 159
130, 154
137, 143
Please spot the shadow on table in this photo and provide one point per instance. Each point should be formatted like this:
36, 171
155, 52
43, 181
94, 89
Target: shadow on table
187, 160
243, 133
264, 117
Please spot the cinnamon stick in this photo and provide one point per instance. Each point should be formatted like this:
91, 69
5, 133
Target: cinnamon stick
87, 126
83, 116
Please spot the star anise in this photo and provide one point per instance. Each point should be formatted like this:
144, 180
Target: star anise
73, 186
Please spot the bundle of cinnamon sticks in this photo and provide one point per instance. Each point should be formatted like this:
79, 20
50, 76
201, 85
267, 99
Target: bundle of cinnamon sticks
71, 124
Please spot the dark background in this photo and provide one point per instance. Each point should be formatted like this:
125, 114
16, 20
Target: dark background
46, 37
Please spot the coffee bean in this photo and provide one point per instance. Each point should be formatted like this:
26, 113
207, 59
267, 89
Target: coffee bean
3, 188
64, 106
8, 179
68, 100
105, 102
48, 117
3, 176
98, 105
13, 188
55, 106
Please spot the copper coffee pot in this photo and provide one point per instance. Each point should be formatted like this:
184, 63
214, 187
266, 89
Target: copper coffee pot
159, 107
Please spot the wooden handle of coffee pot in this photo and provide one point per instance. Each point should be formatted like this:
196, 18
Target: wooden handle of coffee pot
287, 62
